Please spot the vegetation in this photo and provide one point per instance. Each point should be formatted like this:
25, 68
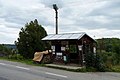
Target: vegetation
29, 40
109, 48
93, 62
4, 51
109, 52
28, 43
107, 57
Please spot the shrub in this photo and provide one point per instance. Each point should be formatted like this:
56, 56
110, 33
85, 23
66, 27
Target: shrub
94, 62
90, 59
16, 57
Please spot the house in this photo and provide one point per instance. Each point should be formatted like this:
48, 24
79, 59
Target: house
70, 47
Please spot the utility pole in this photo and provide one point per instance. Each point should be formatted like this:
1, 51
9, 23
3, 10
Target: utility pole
56, 8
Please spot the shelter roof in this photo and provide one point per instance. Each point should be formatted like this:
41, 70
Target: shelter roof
65, 36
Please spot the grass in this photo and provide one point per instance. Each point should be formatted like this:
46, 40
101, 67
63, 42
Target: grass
116, 68
30, 62
25, 61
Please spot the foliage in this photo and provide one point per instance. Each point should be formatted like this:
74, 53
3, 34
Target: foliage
29, 40
109, 48
89, 59
4, 51
116, 68
73, 49
94, 62
108, 44
116, 50
16, 57
108, 58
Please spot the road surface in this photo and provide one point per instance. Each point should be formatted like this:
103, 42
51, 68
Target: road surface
18, 71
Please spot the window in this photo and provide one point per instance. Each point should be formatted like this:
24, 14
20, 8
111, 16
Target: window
73, 49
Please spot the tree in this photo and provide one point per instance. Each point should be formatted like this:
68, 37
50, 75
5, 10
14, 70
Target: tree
4, 51
29, 40
116, 50
111, 50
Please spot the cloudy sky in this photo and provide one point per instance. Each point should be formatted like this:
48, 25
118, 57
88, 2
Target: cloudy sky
98, 18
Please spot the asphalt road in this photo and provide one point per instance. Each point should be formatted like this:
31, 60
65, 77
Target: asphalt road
18, 71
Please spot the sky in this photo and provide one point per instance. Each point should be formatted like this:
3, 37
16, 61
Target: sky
98, 18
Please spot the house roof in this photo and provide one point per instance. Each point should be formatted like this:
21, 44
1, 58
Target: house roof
65, 36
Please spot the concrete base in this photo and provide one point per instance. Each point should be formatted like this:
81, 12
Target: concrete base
64, 66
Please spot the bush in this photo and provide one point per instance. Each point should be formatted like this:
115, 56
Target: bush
94, 62
108, 59
89, 60
116, 68
16, 57
4, 51
99, 65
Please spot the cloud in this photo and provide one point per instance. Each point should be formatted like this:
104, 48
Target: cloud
104, 14
111, 8
49, 3
16, 16
104, 33
8, 35
99, 17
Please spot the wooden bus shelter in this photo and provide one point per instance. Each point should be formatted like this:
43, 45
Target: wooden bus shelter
70, 47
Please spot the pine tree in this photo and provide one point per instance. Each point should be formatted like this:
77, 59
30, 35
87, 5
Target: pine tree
29, 40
